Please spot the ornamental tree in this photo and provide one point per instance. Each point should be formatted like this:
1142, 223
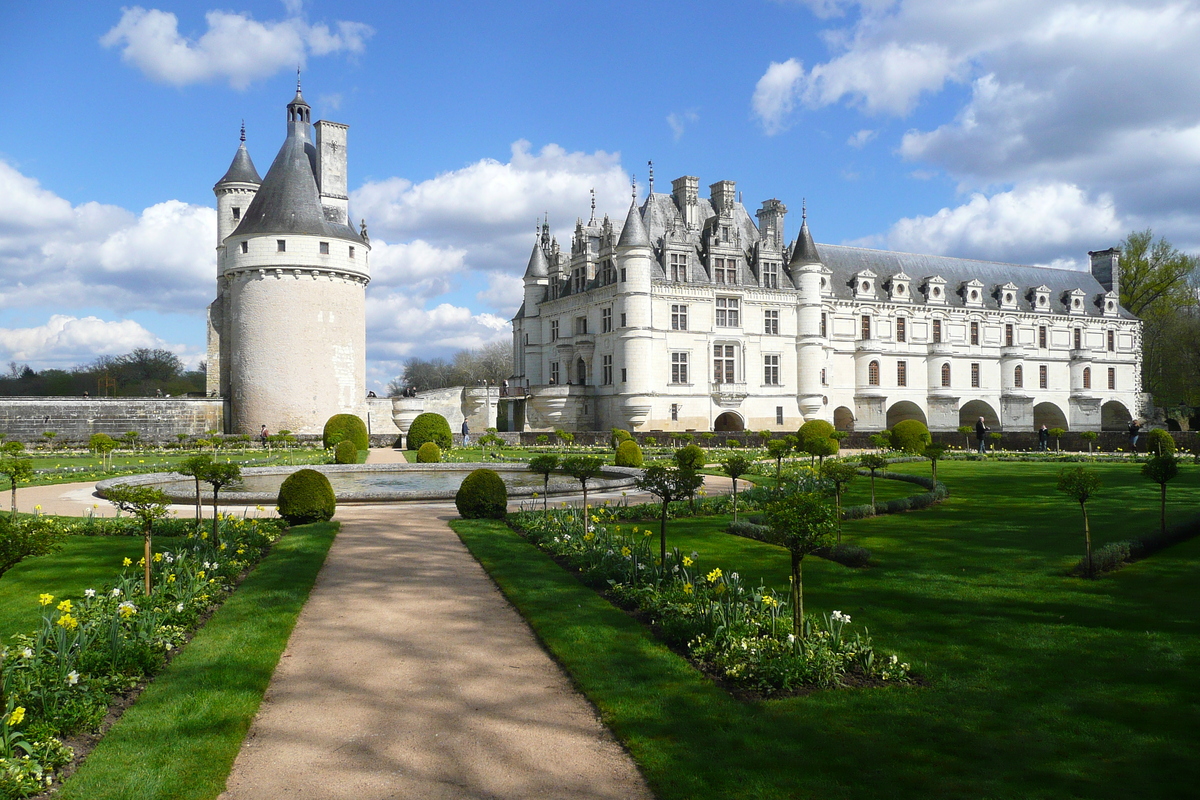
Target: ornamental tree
1162, 469
1081, 485
667, 484
778, 449
544, 465
822, 448
1057, 433
875, 463
966, 431
840, 474
583, 469
934, 452
218, 476
147, 503
735, 467
17, 470
803, 523
103, 444
194, 467
1089, 437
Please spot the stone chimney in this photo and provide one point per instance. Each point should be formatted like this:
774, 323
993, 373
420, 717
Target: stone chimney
331, 169
722, 196
770, 223
1106, 268
686, 191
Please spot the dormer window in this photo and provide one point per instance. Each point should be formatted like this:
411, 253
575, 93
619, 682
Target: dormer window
1109, 304
237, 213
1007, 295
864, 285
1073, 300
972, 293
898, 290
935, 290
1039, 298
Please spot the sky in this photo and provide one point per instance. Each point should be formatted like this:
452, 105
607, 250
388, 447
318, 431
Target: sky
1028, 131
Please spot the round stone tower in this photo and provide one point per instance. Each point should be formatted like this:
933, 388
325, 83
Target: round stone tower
293, 275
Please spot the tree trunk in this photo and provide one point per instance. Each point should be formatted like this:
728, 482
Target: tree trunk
837, 498
14, 496
662, 536
199, 508
1087, 537
735, 499
546, 494
147, 559
797, 596
872, 493
1163, 515
934, 462
585, 507
216, 515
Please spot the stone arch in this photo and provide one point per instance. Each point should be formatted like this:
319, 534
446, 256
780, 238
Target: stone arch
729, 421
905, 409
580, 372
1050, 415
972, 410
843, 419
1173, 425
1114, 416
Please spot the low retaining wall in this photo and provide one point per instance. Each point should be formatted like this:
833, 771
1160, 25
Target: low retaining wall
75, 419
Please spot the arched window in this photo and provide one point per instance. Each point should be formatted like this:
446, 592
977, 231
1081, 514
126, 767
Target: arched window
1087, 377
1018, 376
946, 374
873, 373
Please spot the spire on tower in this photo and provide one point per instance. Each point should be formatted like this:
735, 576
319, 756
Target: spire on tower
650, 164
592, 221
243, 131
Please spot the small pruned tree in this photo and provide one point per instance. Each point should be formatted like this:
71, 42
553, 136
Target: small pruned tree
764, 437
1089, 437
17, 470
130, 439
147, 503
823, 448
1057, 433
934, 453
667, 484
583, 469
778, 450
881, 440
692, 458
103, 445
218, 476
803, 523
1081, 484
875, 463
840, 474
735, 466
1162, 470
966, 431
195, 467
544, 465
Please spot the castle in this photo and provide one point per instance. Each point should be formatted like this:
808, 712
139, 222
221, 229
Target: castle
287, 330
693, 316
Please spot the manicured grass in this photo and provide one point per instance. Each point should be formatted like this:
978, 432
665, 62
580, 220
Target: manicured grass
180, 738
1038, 685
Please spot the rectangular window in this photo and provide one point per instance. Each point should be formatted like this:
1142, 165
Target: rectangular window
622, 274
527, 340
946, 374
901, 329
723, 366
771, 322
866, 327
679, 320
770, 275
771, 370
937, 331
725, 271
902, 373
245, 247
606, 320
778, 415
578, 279
679, 367
608, 273
727, 312
679, 267
824, 327
1079, 338
1018, 376
974, 376
281, 245
580, 325
323, 247
1112, 378
606, 370
237, 213
622, 320
674, 412
823, 381
554, 330
1042, 336
974, 333
352, 251
1008, 335
873, 373
624, 373
553, 372
1043, 377
1112, 341
1087, 377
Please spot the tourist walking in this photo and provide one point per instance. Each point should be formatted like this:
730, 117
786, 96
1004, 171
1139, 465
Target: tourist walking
1135, 430
466, 433
981, 431
1043, 438
263, 436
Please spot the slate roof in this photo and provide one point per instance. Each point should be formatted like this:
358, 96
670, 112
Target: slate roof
633, 232
538, 267
241, 170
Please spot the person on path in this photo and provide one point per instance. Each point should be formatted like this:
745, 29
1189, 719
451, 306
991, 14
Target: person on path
1043, 438
466, 433
1135, 430
981, 431
263, 436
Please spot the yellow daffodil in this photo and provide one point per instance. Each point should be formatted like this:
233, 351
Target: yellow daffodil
127, 562
222, 547
157, 557
65, 606
625, 551
714, 575
769, 601
687, 562
45, 599
241, 550
171, 578
688, 588
17, 716
68, 622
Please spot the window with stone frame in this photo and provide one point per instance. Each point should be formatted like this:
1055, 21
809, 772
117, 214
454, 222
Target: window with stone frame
608, 273
622, 320
553, 372
554, 330
902, 373
824, 378
679, 317
237, 213
771, 321
1112, 341
724, 363
674, 412
771, 370
578, 279
1043, 377
770, 275
725, 271
323, 248
728, 312
1042, 337
1018, 376
1008, 334
679, 368
352, 251
866, 326
901, 329
245, 247
678, 267
1087, 377
1112, 378
824, 326
581, 326
606, 370
974, 333
937, 331
873, 373
1079, 338
974, 375
778, 415
946, 374
281, 245
606, 320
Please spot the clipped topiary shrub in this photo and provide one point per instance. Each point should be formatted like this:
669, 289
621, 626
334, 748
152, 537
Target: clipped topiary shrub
429, 427
629, 454
814, 429
343, 428
1159, 442
429, 453
345, 452
618, 436
306, 496
482, 495
691, 457
848, 555
911, 436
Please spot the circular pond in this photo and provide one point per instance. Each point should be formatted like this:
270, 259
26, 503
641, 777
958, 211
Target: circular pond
372, 483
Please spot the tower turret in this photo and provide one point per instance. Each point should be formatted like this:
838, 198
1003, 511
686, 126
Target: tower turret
634, 260
805, 268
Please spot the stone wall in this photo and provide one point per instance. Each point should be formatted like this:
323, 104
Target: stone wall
75, 419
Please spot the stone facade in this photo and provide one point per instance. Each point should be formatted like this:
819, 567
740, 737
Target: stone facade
75, 419
693, 316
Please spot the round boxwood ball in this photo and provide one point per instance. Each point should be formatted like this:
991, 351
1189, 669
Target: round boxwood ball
814, 429
429, 427
346, 427
429, 453
345, 452
306, 496
1160, 442
910, 435
629, 454
482, 495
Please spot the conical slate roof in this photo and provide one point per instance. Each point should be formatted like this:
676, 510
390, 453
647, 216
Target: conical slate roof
538, 267
241, 170
633, 234
805, 251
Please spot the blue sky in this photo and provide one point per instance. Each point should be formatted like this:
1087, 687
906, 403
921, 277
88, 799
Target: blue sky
1022, 131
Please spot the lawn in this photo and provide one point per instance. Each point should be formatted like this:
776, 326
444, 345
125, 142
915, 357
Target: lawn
1036, 685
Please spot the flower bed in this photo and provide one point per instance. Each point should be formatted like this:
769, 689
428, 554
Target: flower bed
738, 633
61, 679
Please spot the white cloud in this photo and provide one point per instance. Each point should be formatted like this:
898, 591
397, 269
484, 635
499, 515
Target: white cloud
235, 47
504, 292
775, 94
420, 268
679, 121
862, 138
66, 341
1036, 223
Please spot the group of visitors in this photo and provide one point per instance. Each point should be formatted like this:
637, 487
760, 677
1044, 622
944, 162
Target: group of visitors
408, 391
981, 432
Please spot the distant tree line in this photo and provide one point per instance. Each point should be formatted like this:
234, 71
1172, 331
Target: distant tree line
142, 373
492, 363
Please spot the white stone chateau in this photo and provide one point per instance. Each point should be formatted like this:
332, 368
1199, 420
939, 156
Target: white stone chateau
287, 331
690, 316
